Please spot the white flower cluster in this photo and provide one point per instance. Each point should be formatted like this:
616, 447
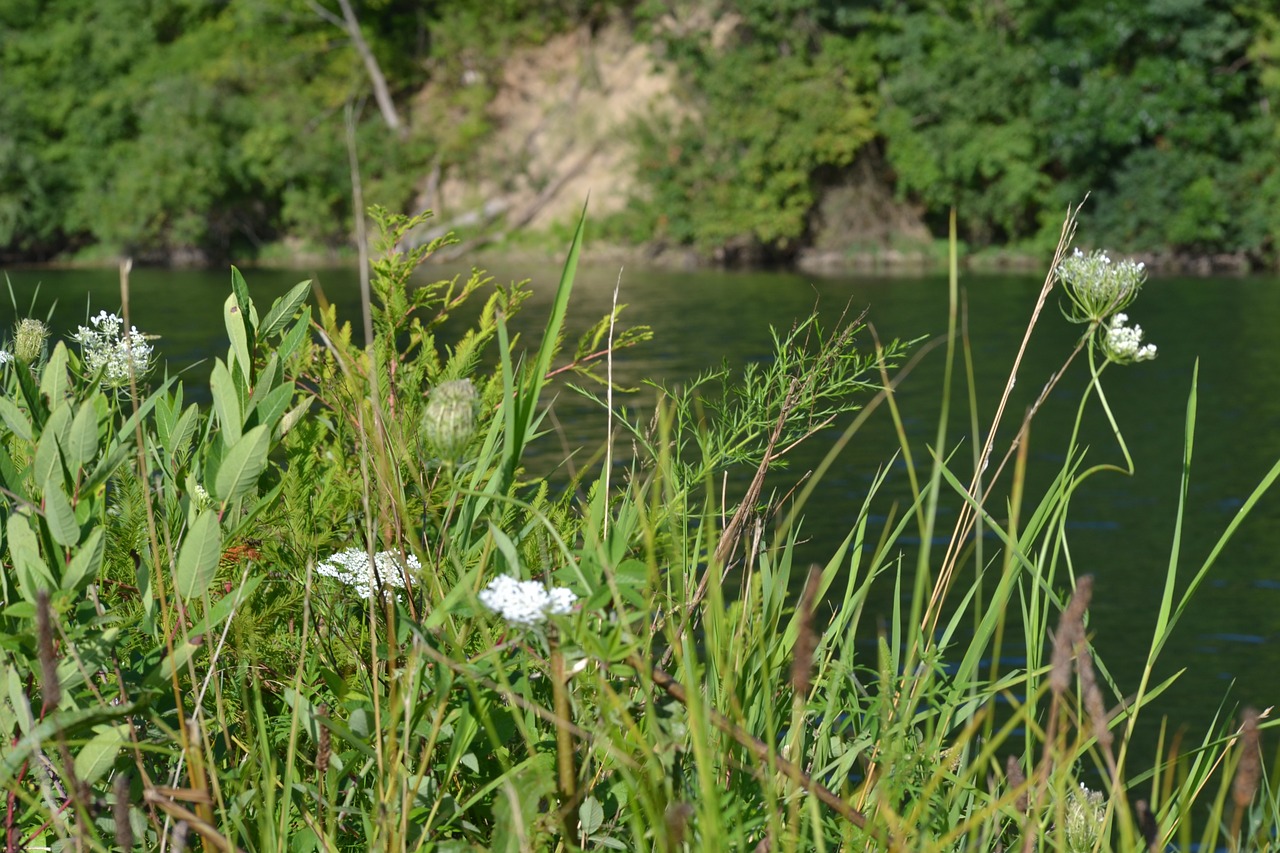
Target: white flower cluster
352, 567
1086, 816
116, 355
5, 357
526, 604
1097, 287
1124, 343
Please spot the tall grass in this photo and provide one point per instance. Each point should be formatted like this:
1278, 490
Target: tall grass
185, 658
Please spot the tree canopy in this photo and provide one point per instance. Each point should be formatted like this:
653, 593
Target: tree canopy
172, 127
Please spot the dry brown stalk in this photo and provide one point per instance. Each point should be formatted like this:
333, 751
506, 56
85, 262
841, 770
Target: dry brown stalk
120, 812
50, 686
1069, 637
188, 818
1245, 785
968, 516
806, 638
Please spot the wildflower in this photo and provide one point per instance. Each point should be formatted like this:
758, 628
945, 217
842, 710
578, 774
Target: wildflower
352, 567
1123, 344
526, 604
1097, 287
1085, 816
5, 357
28, 340
449, 421
112, 355
201, 496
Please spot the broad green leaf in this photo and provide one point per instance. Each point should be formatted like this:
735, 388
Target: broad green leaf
274, 404
517, 805
98, 755
59, 515
283, 309
198, 556
106, 467
226, 402
32, 571
293, 339
291, 418
238, 332
590, 815
241, 292
267, 381
82, 443
14, 419
166, 415
53, 382
244, 462
87, 561
183, 431
48, 458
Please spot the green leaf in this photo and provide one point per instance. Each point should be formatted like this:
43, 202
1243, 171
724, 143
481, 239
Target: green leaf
226, 402
183, 431
268, 380
15, 419
237, 331
218, 612
283, 309
590, 815
293, 339
59, 515
48, 458
82, 443
198, 556
106, 467
517, 805
244, 462
32, 571
290, 420
87, 561
54, 382
274, 404
98, 755
241, 292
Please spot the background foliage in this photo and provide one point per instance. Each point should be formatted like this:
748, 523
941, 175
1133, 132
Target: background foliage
184, 130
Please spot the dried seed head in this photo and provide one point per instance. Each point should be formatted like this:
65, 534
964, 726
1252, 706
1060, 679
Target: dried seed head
1245, 785
1147, 825
29, 337
449, 421
178, 838
1093, 699
323, 745
120, 811
806, 639
1070, 635
51, 687
1016, 778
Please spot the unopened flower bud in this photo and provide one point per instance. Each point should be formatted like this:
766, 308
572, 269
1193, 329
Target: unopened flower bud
28, 340
449, 421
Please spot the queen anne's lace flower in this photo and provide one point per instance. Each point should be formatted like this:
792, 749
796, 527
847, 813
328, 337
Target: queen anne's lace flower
526, 604
352, 567
1096, 286
113, 353
1124, 344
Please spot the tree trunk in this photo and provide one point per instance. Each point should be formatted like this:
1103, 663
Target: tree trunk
381, 93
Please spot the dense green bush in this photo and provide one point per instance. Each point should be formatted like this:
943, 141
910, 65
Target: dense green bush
335, 612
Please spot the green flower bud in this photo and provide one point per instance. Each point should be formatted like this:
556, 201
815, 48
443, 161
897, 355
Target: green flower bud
28, 340
449, 421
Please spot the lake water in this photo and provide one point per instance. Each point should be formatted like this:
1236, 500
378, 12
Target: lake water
1121, 527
